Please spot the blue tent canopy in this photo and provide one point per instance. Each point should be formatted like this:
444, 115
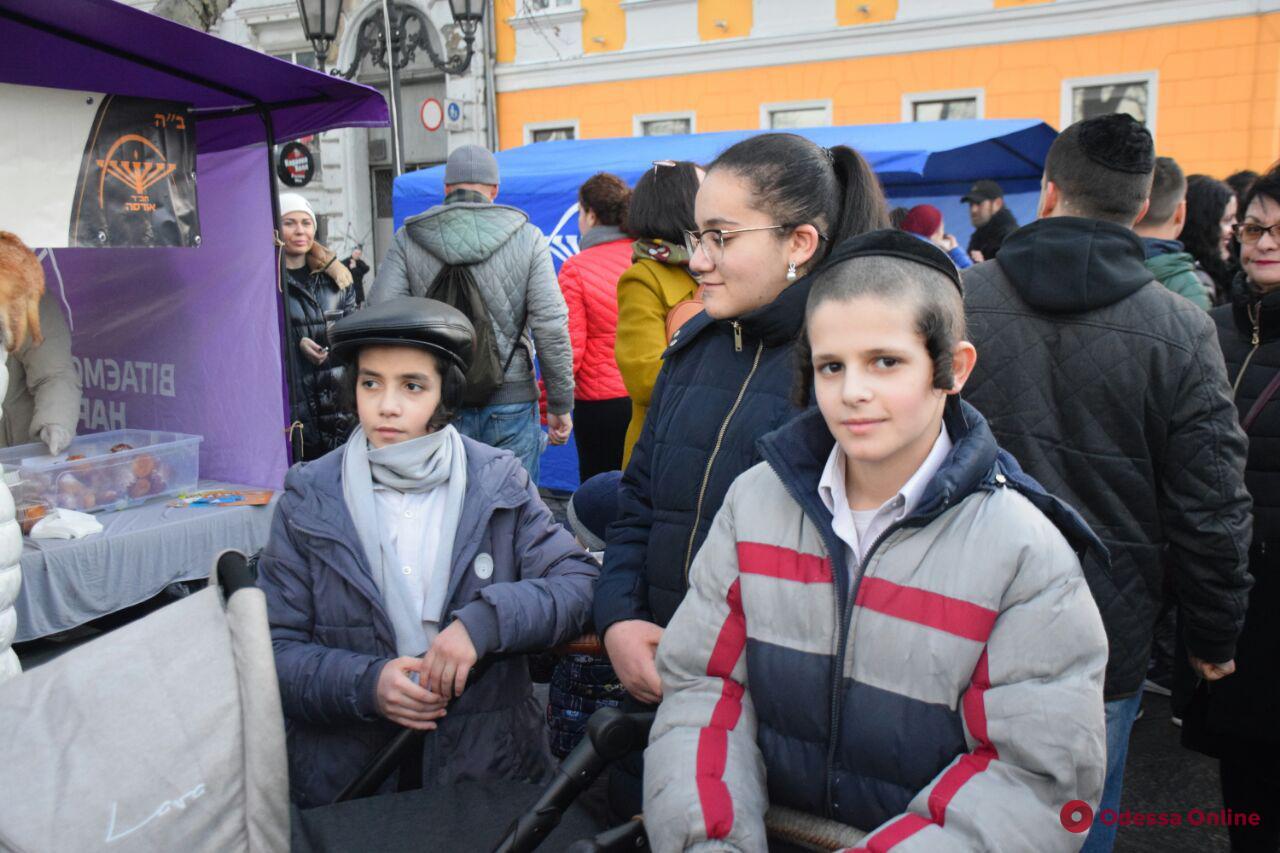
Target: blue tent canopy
913, 159
933, 162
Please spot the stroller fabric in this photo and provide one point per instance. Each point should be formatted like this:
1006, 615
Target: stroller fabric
165, 735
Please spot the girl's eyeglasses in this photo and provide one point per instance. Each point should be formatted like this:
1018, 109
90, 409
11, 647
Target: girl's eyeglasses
711, 241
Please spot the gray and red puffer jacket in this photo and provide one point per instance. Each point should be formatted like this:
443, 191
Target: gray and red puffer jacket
947, 694
589, 281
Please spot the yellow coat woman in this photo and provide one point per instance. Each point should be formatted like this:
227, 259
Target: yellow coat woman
647, 292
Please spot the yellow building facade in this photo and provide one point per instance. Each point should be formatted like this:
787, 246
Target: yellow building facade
1203, 74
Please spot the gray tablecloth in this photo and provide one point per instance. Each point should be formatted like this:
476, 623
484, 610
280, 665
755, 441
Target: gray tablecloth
68, 582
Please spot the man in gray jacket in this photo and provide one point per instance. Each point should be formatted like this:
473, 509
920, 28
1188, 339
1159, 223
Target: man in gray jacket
510, 260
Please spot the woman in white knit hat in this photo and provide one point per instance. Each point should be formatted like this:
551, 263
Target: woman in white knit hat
319, 292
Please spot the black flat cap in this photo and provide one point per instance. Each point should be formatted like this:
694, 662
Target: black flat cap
983, 191
406, 321
892, 243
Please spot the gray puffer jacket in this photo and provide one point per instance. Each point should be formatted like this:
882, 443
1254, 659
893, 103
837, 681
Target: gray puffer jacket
511, 262
332, 635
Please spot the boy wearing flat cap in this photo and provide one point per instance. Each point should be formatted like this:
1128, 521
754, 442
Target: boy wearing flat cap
888, 624
402, 559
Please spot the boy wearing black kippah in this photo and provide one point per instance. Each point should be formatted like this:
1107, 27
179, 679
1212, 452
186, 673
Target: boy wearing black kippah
1111, 391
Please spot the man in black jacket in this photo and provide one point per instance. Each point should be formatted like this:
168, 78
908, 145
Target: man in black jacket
992, 221
1111, 391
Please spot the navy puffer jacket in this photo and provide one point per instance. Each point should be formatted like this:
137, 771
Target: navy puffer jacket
332, 636
724, 384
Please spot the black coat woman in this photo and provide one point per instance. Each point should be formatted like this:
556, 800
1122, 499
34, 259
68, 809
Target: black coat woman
318, 293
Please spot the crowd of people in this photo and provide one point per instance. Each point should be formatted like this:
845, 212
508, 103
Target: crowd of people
881, 527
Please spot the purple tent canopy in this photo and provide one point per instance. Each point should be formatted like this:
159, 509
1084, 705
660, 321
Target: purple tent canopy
184, 339
102, 45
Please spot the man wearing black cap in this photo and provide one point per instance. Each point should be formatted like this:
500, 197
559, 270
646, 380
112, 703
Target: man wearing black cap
469, 243
991, 220
1111, 391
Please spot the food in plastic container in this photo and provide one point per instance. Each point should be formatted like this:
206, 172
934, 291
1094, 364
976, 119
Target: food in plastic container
106, 471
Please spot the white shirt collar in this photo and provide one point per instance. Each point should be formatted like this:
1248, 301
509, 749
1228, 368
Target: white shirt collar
831, 485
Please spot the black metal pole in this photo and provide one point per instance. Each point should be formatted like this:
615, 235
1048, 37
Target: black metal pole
393, 85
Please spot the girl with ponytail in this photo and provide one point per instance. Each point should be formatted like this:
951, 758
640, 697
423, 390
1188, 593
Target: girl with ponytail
767, 213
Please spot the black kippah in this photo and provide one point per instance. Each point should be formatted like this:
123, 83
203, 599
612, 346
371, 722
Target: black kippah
1118, 141
892, 243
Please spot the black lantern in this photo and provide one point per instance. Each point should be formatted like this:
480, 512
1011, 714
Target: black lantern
320, 24
393, 39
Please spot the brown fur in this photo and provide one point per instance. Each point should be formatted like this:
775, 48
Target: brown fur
21, 286
320, 259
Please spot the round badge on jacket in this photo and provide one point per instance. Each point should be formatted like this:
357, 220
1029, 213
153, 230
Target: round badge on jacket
483, 566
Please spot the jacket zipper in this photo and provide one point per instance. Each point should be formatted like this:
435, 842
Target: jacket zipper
706, 475
844, 614
737, 336
1256, 320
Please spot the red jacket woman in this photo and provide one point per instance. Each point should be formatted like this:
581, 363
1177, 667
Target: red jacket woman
589, 281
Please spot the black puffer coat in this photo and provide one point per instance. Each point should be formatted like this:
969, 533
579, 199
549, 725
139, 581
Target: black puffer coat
723, 385
1246, 705
1111, 392
315, 393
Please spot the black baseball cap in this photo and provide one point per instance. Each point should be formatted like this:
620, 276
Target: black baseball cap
983, 191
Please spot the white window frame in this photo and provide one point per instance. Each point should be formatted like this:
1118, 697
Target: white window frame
910, 99
767, 110
1070, 84
530, 127
523, 11
637, 121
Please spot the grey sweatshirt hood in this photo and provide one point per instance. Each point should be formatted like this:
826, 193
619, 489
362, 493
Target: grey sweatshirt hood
464, 232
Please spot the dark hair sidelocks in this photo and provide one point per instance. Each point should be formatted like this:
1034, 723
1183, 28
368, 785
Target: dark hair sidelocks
607, 196
797, 182
939, 308
453, 386
661, 205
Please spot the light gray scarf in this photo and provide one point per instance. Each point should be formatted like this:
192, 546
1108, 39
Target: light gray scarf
418, 465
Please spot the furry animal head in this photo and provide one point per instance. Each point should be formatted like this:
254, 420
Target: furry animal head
21, 286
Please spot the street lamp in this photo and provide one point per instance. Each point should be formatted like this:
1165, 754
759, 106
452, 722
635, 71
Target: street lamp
399, 31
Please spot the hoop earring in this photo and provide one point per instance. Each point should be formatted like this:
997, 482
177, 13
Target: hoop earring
791, 271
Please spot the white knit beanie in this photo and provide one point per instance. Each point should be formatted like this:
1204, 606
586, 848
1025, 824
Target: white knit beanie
292, 203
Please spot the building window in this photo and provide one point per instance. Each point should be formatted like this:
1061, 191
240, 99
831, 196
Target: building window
305, 58
943, 106
796, 114
662, 124
532, 7
550, 131
1088, 97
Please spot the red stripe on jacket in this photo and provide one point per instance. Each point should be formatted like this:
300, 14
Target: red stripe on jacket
756, 558
971, 764
713, 741
931, 609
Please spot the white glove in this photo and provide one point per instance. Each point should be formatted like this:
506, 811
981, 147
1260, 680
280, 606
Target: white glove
55, 438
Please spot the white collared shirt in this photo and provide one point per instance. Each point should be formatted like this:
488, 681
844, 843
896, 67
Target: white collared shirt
411, 521
860, 529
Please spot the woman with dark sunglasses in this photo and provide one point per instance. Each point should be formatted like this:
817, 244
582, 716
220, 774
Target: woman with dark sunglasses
766, 214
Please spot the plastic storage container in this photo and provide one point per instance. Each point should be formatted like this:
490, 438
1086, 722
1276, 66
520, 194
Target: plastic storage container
116, 469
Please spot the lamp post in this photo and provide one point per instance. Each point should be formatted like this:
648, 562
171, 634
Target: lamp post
391, 41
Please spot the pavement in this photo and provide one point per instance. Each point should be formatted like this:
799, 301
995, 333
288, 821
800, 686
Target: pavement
1161, 777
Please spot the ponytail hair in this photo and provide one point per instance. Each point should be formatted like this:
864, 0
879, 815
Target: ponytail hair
797, 182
